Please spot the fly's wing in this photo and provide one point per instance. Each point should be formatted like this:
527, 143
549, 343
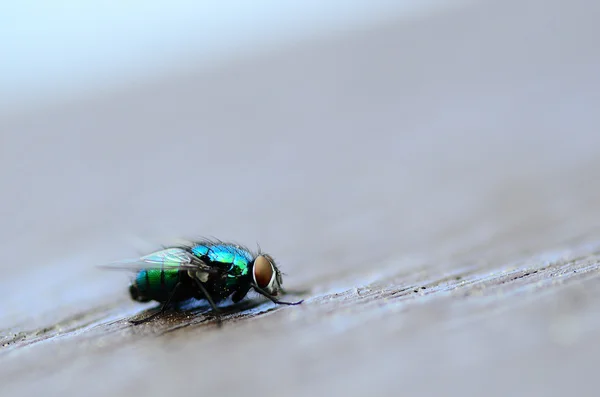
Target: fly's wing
170, 257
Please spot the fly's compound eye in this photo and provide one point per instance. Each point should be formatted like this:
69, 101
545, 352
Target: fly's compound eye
264, 274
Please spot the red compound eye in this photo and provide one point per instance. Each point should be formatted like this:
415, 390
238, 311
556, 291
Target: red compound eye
263, 271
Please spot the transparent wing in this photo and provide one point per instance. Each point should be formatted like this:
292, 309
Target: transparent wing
170, 257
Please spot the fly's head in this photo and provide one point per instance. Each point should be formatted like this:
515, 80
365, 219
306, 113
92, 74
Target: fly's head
266, 275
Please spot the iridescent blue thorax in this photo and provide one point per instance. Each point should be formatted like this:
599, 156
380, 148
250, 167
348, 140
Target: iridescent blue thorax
235, 259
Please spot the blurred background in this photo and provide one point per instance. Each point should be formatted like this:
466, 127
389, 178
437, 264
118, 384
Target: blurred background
359, 142
128, 125
63, 50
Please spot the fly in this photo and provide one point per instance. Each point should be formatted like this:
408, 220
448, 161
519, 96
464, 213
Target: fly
204, 270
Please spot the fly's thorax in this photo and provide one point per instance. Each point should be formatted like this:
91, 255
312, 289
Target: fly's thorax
266, 275
233, 259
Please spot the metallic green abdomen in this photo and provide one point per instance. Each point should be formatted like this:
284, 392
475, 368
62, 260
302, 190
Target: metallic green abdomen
156, 284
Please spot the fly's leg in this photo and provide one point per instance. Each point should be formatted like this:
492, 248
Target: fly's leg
210, 301
161, 311
272, 298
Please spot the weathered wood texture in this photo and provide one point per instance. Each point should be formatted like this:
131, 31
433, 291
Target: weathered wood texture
433, 183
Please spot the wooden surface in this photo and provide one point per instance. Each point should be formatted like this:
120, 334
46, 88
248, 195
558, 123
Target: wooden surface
432, 183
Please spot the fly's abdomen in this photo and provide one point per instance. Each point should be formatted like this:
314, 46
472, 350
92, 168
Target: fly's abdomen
154, 284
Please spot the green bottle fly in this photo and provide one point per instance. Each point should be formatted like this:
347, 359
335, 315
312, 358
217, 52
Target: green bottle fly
205, 270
